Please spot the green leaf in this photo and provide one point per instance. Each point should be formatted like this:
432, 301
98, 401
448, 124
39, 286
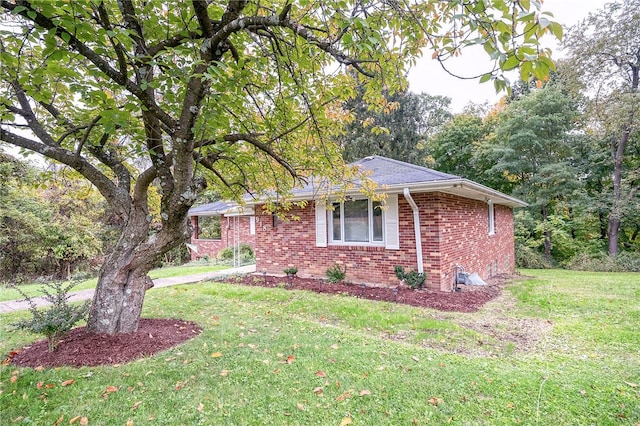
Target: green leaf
556, 29
66, 37
511, 63
486, 77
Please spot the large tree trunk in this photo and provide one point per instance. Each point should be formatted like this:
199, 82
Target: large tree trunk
119, 295
123, 279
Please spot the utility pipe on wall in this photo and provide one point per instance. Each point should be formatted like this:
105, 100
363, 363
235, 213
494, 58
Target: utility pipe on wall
416, 228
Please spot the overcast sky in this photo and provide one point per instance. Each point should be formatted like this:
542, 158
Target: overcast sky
428, 76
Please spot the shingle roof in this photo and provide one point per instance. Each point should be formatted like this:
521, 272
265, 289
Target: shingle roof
386, 171
212, 209
394, 176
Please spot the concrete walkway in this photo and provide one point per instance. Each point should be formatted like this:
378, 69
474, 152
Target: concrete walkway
21, 305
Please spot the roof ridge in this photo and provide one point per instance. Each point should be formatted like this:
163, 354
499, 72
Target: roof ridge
406, 164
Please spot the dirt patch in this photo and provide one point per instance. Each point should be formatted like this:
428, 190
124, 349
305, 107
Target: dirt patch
81, 348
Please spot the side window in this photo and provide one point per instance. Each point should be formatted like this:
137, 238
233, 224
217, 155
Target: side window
492, 223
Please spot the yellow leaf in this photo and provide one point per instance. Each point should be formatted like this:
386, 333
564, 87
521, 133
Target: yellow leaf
318, 391
200, 407
300, 407
73, 420
14, 379
435, 401
129, 422
415, 358
84, 421
224, 373
136, 405
633, 385
67, 382
434, 55
364, 392
57, 422
216, 355
345, 421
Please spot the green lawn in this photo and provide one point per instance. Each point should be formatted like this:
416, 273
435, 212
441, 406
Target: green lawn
166, 272
558, 348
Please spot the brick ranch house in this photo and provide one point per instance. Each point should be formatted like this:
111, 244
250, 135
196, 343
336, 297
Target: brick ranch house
429, 221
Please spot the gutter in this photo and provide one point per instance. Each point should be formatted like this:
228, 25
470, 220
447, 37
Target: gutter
416, 228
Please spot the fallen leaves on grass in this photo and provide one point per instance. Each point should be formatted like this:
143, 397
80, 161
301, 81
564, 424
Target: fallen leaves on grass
346, 421
364, 392
435, 401
320, 374
67, 382
216, 355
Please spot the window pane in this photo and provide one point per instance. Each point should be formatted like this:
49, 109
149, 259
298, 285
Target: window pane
377, 221
336, 235
356, 221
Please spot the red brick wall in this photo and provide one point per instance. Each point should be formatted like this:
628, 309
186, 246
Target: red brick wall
454, 231
228, 225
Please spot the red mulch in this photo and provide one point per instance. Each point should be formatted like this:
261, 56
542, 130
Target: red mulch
80, 348
471, 299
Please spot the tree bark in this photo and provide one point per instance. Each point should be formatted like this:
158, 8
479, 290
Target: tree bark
547, 234
123, 279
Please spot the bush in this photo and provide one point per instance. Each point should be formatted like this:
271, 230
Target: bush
246, 253
55, 321
290, 271
336, 273
529, 258
601, 262
413, 279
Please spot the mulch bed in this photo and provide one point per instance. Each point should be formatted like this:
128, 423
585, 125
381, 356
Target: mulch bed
471, 299
80, 348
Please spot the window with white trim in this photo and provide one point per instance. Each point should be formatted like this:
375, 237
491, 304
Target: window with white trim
356, 221
492, 223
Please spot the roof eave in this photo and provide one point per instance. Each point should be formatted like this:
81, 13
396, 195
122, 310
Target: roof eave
461, 187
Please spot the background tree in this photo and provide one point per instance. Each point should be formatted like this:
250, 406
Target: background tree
47, 227
133, 94
532, 150
605, 47
453, 148
395, 132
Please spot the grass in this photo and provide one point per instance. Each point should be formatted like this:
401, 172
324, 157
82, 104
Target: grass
276, 357
7, 293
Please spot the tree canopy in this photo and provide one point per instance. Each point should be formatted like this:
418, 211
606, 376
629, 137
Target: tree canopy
139, 96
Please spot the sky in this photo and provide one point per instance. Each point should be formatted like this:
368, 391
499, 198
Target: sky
428, 76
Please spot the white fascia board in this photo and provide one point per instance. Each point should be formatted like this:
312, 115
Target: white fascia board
461, 187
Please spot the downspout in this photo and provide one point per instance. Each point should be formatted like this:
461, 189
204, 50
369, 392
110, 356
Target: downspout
416, 228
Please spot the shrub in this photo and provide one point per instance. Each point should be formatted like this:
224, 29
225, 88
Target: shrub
413, 279
336, 273
246, 253
290, 271
600, 262
527, 257
55, 321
